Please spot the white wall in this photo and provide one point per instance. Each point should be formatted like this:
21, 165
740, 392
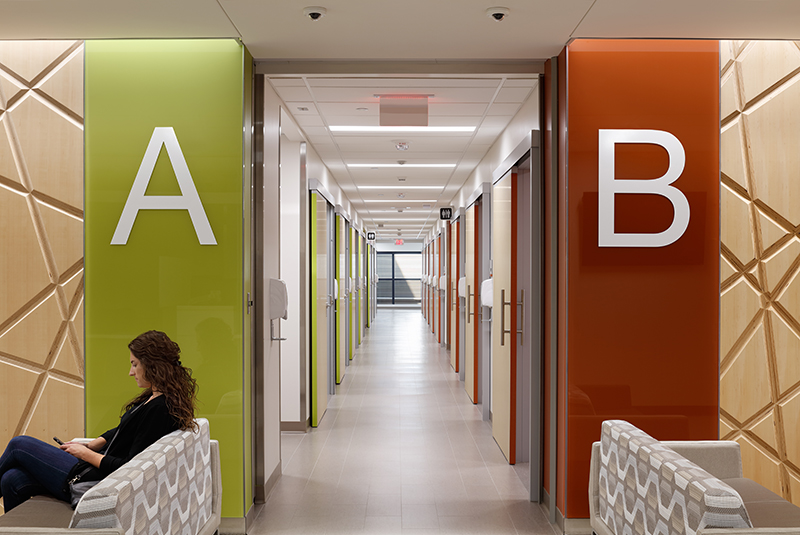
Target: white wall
271, 266
526, 119
290, 265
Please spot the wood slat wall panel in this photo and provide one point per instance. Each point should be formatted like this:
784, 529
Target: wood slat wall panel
41, 239
760, 226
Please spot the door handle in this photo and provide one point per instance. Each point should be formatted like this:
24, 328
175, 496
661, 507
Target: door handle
521, 304
468, 296
454, 299
503, 304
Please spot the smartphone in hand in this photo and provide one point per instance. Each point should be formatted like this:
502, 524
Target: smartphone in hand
58, 441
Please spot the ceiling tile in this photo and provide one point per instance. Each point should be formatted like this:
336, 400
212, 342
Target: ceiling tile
294, 94
513, 94
504, 109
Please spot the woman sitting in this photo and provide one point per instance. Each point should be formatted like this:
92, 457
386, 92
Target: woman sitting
30, 467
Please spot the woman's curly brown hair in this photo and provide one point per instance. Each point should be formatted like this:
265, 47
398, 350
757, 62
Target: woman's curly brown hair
160, 359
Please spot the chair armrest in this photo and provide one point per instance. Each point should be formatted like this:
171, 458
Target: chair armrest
598, 526
720, 458
61, 531
747, 531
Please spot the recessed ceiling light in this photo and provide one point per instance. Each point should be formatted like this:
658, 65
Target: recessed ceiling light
415, 165
302, 108
426, 205
362, 109
401, 129
401, 179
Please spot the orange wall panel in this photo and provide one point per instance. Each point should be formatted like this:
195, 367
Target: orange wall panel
641, 321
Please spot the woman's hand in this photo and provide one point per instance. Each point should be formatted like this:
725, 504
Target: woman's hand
83, 453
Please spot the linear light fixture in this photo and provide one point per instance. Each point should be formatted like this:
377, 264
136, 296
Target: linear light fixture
397, 201
401, 187
382, 219
415, 165
401, 129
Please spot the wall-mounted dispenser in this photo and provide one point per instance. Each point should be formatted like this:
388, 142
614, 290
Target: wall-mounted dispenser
487, 293
278, 305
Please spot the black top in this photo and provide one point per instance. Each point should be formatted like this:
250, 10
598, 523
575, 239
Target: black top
138, 428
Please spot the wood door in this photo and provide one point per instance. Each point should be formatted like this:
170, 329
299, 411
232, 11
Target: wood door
453, 329
503, 360
472, 327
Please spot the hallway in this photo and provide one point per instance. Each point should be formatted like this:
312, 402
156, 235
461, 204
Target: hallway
401, 449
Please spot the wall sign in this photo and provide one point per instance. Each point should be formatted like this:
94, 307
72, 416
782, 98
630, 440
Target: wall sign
445, 213
640, 252
371, 236
154, 110
188, 199
608, 186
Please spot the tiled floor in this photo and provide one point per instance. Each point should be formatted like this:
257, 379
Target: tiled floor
401, 449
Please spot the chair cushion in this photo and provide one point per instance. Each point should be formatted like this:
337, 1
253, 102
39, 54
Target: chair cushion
765, 508
38, 512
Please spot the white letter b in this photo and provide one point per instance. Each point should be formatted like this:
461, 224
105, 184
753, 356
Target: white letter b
609, 186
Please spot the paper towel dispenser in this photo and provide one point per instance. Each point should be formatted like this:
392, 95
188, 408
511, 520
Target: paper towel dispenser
462, 287
278, 300
487, 293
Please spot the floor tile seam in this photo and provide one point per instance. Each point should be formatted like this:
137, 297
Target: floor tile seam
474, 442
449, 438
358, 370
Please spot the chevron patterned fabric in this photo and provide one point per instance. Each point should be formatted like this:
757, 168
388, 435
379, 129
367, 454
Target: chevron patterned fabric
646, 488
167, 488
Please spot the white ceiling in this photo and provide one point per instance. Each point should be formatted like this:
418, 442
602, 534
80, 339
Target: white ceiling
411, 29
485, 103
427, 33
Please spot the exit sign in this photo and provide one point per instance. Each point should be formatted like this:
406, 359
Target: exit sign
398, 242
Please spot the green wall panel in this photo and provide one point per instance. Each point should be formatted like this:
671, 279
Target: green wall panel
162, 278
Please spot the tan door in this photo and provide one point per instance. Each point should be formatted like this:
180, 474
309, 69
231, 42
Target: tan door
453, 295
471, 334
503, 360
320, 310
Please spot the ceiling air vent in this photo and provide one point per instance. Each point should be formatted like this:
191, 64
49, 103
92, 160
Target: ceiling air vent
404, 110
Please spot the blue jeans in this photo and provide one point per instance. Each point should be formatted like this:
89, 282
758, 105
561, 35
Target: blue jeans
30, 467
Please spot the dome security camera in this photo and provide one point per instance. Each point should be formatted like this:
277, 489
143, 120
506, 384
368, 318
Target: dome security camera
314, 12
497, 13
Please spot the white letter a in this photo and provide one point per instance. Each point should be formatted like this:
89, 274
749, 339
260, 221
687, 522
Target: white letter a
188, 200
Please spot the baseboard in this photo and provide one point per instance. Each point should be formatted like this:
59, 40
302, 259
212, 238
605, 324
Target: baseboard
577, 526
251, 515
232, 526
295, 427
263, 491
